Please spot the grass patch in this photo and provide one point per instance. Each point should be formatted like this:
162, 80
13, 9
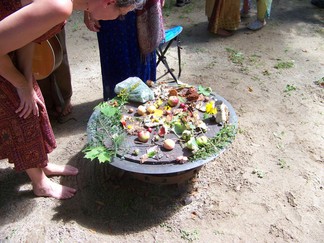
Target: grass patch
320, 82
282, 163
259, 173
235, 56
189, 236
255, 59
289, 88
167, 227
284, 65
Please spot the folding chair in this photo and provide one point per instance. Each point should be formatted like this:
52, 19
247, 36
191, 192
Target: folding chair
171, 35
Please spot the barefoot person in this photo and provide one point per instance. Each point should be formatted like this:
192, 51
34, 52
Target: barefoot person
26, 136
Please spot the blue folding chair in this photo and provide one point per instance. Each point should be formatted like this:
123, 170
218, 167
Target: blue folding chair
171, 35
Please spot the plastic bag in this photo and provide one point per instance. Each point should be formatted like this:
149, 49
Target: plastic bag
142, 93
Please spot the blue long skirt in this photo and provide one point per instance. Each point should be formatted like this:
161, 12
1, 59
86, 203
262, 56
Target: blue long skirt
120, 55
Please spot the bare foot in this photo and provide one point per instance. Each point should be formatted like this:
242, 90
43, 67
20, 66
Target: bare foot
67, 108
224, 33
49, 188
60, 170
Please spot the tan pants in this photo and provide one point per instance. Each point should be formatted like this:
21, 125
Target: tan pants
56, 95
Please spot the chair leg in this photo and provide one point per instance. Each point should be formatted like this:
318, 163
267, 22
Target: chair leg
162, 58
179, 54
169, 70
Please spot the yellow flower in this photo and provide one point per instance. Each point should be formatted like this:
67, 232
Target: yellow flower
158, 113
158, 103
210, 109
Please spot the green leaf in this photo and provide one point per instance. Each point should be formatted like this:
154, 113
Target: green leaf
206, 116
204, 91
104, 156
109, 111
235, 56
151, 154
100, 152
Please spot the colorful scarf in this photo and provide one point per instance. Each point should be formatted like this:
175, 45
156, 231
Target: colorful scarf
150, 27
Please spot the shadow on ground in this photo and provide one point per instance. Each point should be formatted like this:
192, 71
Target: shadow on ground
282, 15
110, 201
76, 122
15, 202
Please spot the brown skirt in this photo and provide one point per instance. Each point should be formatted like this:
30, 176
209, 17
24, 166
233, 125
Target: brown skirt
25, 142
223, 14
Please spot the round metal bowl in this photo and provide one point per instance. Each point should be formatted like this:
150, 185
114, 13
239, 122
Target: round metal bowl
130, 164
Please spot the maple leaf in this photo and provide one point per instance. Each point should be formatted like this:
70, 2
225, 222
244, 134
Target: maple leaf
99, 152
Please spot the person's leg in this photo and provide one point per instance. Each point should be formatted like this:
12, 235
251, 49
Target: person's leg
229, 17
246, 9
213, 12
64, 170
44, 187
45, 86
263, 9
57, 87
103, 41
63, 79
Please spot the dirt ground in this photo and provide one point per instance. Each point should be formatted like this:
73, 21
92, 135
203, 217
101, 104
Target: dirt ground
268, 185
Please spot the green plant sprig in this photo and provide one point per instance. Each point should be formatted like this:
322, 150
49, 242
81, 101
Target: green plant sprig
216, 143
108, 134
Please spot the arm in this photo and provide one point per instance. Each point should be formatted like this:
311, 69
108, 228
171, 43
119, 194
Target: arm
16, 32
22, 78
30, 22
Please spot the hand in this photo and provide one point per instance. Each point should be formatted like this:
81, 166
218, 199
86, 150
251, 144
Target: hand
91, 23
29, 102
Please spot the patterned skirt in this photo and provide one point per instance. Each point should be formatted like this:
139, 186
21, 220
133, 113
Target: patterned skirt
25, 142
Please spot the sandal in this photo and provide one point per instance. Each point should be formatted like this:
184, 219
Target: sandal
256, 25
